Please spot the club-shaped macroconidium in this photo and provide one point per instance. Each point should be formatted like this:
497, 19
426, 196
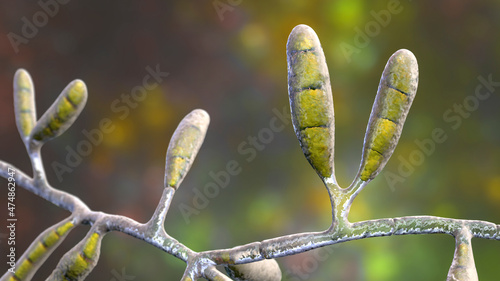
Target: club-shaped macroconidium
62, 113
80, 260
184, 145
24, 103
38, 252
311, 100
395, 95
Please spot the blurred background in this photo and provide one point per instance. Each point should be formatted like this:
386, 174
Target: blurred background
228, 57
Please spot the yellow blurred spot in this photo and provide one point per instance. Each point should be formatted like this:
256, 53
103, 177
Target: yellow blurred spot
381, 264
254, 37
346, 13
317, 201
155, 110
359, 210
493, 189
122, 136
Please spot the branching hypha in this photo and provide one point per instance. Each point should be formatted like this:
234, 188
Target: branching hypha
313, 120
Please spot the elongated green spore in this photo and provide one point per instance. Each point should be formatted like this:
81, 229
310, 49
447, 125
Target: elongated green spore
24, 103
396, 92
311, 100
184, 146
62, 113
41, 249
81, 260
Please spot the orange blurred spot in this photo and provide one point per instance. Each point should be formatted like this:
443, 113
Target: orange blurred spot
317, 201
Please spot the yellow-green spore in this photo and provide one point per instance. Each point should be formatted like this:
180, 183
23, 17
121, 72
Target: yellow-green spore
311, 101
381, 141
311, 110
79, 261
63, 229
77, 92
372, 163
62, 113
402, 72
383, 132
78, 266
23, 269
180, 154
395, 104
304, 39
24, 103
39, 250
317, 145
306, 66
92, 245
184, 146
51, 238
64, 110
176, 170
306, 62
396, 92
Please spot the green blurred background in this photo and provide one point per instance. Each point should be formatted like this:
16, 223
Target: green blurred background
228, 57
